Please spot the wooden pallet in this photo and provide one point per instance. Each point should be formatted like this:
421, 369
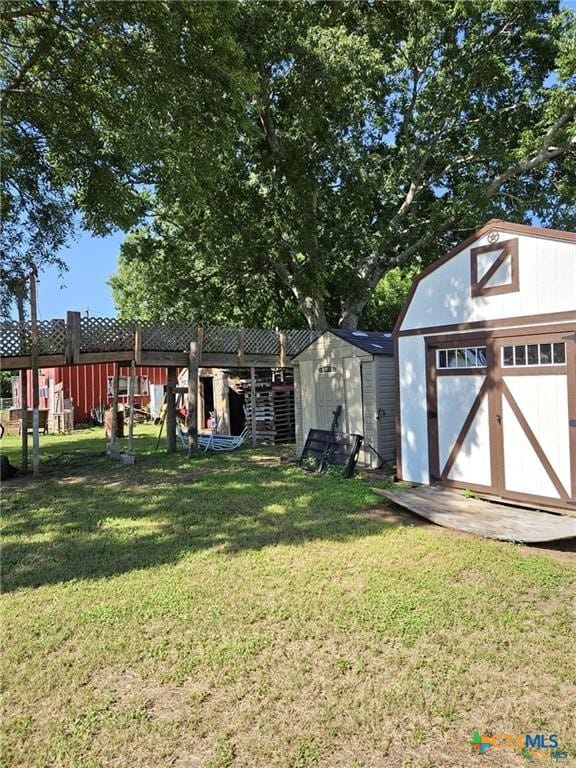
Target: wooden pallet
483, 518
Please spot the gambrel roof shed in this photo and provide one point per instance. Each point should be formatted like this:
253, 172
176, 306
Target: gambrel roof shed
486, 355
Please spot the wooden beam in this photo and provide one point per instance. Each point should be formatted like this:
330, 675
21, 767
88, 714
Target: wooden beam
164, 359
192, 416
122, 357
171, 445
223, 360
25, 362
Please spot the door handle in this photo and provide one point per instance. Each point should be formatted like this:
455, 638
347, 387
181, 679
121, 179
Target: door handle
499, 418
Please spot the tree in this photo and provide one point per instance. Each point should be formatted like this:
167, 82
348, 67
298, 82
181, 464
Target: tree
103, 103
162, 276
382, 134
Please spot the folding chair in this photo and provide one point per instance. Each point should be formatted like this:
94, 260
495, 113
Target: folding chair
214, 442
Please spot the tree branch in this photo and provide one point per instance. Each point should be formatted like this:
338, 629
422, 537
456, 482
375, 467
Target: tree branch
546, 153
265, 115
42, 49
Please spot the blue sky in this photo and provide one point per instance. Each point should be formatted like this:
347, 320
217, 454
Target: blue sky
91, 261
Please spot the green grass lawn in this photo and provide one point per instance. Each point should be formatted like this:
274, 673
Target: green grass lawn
235, 611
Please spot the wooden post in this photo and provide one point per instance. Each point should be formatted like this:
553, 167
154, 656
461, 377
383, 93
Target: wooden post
35, 382
282, 342
131, 382
240, 350
138, 344
72, 354
23, 382
171, 410
192, 418
253, 403
199, 348
115, 389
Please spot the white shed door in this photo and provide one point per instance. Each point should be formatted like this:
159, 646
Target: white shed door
535, 419
330, 394
463, 429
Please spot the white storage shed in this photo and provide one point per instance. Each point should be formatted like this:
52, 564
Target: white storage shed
486, 354
354, 369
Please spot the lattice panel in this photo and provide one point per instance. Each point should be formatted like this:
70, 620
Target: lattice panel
14, 342
261, 342
100, 334
221, 340
52, 337
167, 338
296, 341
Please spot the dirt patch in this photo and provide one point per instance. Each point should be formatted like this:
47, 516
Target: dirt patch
395, 515
561, 551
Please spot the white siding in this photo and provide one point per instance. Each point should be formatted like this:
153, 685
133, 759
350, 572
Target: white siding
547, 274
413, 409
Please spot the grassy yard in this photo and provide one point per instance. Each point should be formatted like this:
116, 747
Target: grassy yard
234, 611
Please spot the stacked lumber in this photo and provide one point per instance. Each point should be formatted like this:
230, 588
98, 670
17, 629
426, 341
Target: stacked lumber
283, 401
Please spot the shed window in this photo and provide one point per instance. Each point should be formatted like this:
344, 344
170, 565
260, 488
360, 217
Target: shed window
326, 369
534, 354
462, 357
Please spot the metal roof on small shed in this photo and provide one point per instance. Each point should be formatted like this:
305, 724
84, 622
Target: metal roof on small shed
373, 342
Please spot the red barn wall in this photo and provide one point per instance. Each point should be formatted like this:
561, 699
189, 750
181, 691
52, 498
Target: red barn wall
87, 385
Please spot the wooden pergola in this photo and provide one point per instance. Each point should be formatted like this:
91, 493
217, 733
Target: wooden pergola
79, 341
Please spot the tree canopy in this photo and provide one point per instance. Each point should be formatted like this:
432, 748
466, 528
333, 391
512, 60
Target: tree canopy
381, 134
277, 160
104, 104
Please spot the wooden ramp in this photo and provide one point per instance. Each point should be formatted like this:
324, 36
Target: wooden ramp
493, 521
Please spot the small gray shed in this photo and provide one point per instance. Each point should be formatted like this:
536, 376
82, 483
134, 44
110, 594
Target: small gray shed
354, 369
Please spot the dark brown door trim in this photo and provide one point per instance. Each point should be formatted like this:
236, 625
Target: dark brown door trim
432, 414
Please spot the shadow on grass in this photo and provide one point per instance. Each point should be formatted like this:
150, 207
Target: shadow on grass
104, 519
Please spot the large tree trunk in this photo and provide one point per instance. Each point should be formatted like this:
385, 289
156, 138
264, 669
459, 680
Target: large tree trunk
353, 306
314, 312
